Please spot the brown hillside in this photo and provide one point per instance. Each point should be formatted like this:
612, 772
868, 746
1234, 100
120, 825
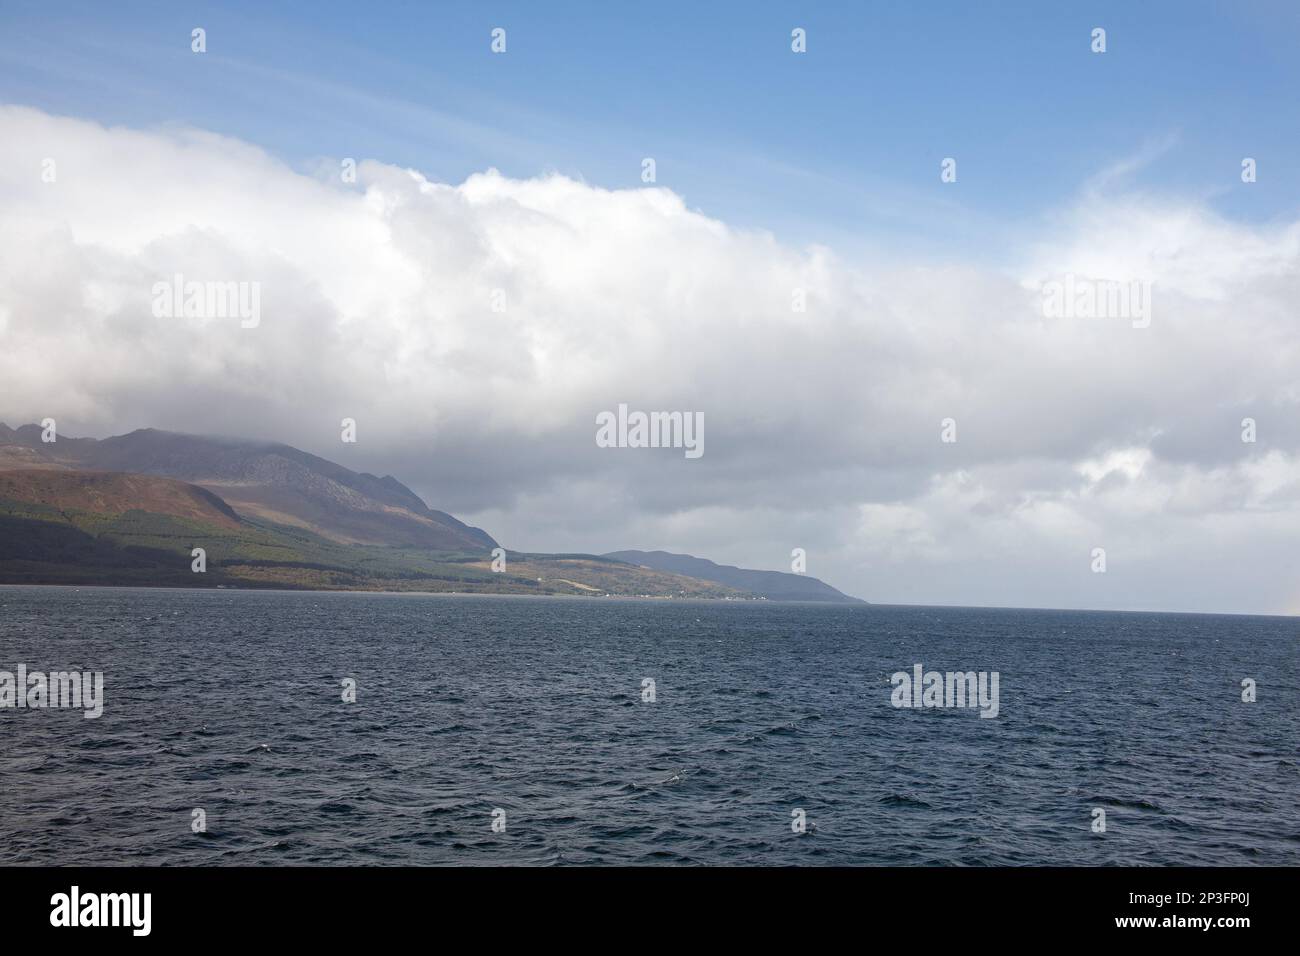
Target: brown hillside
264, 480
114, 493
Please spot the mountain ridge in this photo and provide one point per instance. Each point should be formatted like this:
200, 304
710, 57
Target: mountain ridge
271, 480
270, 514
773, 585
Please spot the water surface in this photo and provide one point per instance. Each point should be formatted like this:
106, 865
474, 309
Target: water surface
230, 701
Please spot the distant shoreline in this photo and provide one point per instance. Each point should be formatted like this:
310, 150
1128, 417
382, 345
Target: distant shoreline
379, 591
657, 600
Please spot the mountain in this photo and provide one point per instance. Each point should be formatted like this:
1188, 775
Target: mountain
59, 526
274, 482
773, 585
131, 509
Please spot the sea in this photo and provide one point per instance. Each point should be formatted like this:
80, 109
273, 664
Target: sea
310, 728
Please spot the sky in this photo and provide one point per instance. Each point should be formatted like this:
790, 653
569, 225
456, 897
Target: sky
777, 174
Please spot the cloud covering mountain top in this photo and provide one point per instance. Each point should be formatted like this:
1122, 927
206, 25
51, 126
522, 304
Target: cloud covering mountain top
475, 331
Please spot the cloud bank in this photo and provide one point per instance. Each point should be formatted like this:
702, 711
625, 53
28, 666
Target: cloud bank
475, 331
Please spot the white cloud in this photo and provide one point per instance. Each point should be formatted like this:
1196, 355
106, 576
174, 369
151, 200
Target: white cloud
823, 426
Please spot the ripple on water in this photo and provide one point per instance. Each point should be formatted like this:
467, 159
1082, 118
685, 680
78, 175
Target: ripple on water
229, 701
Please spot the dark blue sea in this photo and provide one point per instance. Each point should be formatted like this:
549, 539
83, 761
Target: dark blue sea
231, 702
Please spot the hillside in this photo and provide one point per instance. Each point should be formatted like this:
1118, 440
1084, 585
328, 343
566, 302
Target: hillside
773, 585
112, 493
94, 528
130, 509
275, 482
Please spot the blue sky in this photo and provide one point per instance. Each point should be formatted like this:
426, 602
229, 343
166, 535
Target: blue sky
840, 145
